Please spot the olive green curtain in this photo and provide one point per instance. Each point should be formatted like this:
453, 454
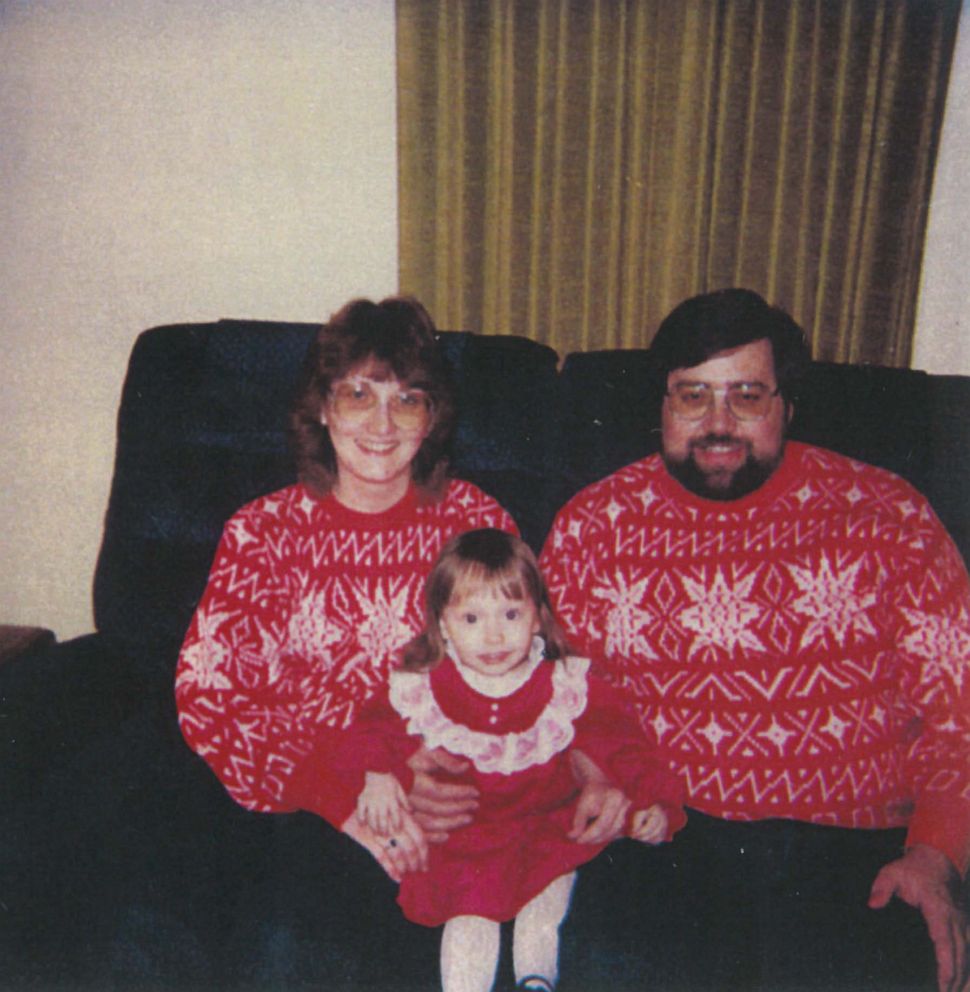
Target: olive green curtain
571, 169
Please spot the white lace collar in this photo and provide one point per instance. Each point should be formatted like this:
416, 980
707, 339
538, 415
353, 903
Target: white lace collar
501, 687
553, 731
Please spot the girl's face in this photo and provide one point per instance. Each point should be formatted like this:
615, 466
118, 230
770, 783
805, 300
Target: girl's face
490, 633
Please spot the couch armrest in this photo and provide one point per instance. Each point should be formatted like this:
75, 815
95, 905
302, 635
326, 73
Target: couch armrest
56, 700
16, 641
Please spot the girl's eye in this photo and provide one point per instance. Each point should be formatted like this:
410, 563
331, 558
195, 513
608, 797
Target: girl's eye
512, 614
470, 618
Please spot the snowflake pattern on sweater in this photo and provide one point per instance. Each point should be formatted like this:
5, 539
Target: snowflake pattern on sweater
802, 652
306, 605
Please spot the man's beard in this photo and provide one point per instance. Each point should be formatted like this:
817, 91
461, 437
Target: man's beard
751, 475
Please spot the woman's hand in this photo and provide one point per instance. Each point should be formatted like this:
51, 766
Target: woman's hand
440, 806
403, 851
382, 803
649, 826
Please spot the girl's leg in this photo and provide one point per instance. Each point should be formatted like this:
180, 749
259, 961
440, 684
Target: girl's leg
535, 944
469, 954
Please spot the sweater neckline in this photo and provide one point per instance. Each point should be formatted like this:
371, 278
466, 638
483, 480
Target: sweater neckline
345, 516
783, 476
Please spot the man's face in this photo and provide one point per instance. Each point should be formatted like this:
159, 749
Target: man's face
720, 455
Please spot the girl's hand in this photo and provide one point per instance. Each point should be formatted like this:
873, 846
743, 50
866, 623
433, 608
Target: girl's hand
600, 814
382, 803
649, 825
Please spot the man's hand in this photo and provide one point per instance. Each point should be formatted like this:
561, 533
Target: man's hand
600, 814
406, 850
601, 808
438, 806
926, 879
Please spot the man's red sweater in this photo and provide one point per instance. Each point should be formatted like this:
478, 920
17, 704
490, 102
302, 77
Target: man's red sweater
802, 652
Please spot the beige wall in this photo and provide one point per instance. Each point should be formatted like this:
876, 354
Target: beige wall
943, 315
161, 162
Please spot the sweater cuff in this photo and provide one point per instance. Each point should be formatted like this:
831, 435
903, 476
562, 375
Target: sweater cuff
317, 787
944, 823
676, 818
324, 784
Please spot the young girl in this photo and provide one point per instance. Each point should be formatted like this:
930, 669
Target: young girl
490, 681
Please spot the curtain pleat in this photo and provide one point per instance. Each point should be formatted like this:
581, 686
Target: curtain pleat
572, 169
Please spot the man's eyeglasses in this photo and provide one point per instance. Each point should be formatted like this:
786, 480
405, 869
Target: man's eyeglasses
409, 409
745, 400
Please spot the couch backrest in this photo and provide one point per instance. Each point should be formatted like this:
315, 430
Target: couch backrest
879, 415
202, 430
914, 424
948, 442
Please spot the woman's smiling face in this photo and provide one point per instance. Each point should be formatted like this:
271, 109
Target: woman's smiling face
377, 425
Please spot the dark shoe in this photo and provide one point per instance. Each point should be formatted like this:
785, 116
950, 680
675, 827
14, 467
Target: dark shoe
535, 983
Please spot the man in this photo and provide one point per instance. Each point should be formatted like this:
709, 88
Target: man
794, 629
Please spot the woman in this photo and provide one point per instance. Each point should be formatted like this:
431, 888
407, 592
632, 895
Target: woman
315, 588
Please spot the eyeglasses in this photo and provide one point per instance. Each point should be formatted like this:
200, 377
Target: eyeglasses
745, 400
354, 401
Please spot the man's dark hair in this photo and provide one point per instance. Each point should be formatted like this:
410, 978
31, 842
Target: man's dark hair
705, 325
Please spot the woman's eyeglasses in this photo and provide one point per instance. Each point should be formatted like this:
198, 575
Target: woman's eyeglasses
409, 409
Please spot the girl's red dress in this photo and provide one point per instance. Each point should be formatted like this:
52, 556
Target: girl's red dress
518, 749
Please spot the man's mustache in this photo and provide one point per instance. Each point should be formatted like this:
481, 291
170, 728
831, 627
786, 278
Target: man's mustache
714, 440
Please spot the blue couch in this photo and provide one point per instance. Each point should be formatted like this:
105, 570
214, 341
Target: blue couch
119, 840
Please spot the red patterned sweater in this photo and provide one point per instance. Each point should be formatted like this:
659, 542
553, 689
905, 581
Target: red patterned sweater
307, 603
803, 652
